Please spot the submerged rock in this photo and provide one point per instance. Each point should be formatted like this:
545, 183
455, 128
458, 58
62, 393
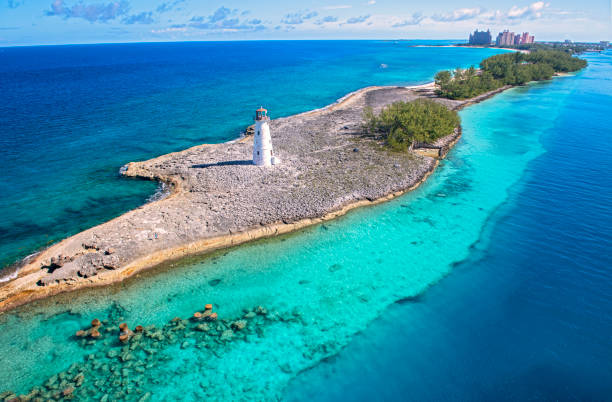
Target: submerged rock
78, 379
67, 392
227, 335
126, 356
335, 267
239, 325
52, 381
130, 366
285, 368
7, 395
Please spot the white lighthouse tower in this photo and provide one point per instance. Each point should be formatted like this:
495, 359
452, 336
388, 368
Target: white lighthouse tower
263, 155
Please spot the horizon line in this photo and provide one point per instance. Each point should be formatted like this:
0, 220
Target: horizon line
230, 40
261, 40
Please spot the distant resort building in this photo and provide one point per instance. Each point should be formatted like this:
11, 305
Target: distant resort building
526, 39
507, 38
481, 38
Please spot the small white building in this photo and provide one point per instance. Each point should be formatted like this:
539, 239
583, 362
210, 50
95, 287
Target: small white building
263, 154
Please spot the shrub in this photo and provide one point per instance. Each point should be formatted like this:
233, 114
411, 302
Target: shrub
403, 124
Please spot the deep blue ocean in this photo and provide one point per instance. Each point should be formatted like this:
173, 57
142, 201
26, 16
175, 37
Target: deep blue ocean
491, 281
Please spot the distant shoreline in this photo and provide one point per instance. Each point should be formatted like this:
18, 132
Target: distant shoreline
466, 46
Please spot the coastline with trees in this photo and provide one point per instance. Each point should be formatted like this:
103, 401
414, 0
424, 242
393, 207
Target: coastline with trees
505, 69
404, 125
567, 47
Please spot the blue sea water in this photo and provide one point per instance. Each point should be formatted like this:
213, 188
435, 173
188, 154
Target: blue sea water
490, 281
71, 116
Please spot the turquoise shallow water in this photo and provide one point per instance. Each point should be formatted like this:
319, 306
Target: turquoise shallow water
71, 116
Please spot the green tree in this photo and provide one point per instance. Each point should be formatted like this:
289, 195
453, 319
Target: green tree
506, 69
443, 78
403, 124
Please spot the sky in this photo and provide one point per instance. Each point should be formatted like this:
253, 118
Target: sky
43, 22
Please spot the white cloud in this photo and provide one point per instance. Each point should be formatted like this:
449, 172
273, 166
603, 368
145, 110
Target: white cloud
536, 10
167, 30
515, 14
298, 17
416, 19
225, 20
460, 14
371, 2
101, 12
338, 7
357, 20
326, 20
533, 10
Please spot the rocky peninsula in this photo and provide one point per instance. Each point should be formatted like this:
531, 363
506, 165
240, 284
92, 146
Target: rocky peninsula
218, 198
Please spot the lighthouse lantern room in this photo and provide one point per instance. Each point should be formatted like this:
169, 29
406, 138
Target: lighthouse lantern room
263, 154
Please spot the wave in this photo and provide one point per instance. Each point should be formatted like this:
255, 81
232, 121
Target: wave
12, 271
160, 193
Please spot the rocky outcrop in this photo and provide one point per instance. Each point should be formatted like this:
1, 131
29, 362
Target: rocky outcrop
440, 148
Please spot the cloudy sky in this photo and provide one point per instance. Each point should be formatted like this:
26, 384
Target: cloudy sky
27, 22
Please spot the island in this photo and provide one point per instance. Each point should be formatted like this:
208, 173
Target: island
218, 198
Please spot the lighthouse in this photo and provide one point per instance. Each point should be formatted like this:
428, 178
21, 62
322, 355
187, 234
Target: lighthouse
263, 155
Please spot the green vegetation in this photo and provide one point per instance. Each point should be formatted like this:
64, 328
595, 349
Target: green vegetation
403, 124
571, 48
505, 69
463, 84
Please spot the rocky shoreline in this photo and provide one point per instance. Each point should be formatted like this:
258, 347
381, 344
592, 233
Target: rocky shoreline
218, 198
